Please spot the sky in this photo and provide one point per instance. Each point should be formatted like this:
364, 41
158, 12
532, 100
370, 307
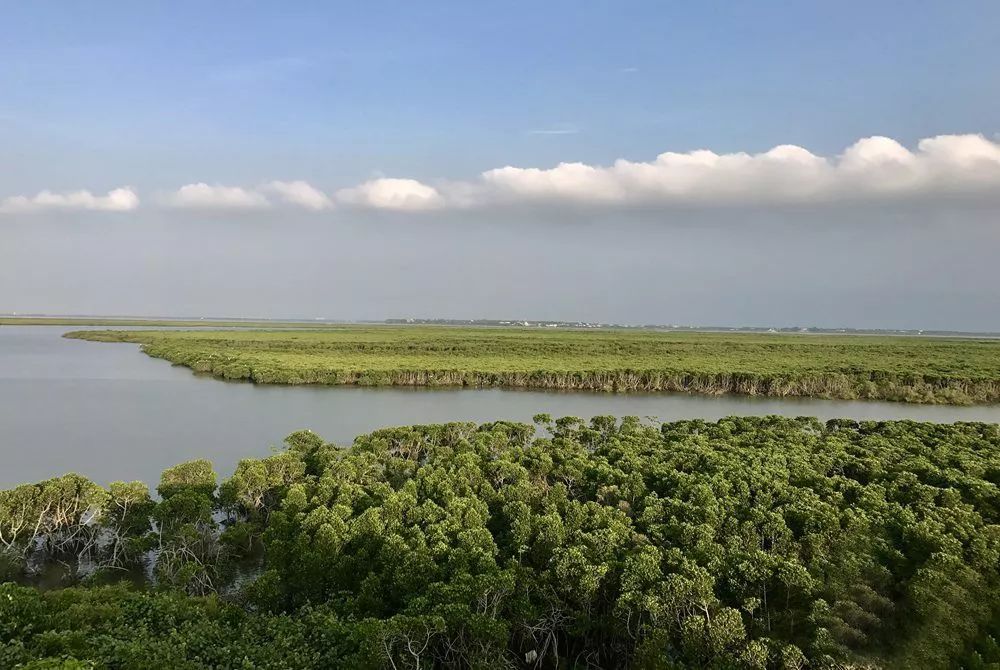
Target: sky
767, 163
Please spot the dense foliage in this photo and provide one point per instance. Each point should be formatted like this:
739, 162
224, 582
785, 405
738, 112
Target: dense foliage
913, 369
746, 543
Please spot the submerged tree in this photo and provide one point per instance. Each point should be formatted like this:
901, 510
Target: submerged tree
188, 550
126, 521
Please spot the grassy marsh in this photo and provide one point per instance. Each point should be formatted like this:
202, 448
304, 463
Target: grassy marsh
930, 370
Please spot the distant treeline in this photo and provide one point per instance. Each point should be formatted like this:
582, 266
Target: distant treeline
543, 323
745, 543
244, 322
955, 371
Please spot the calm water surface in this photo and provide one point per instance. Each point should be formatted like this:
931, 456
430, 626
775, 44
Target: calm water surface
110, 412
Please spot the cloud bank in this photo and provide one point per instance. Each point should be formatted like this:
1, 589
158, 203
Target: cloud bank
300, 193
122, 199
202, 196
873, 169
207, 196
394, 194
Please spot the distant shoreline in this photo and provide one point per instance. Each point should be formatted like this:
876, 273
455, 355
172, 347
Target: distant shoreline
238, 322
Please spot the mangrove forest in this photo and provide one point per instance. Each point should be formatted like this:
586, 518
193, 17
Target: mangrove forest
910, 369
745, 543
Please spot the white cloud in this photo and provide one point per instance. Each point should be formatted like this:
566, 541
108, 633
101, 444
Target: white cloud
946, 167
122, 199
873, 168
300, 193
206, 196
395, 194
217, 196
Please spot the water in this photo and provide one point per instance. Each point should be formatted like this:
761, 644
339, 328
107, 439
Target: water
110, 412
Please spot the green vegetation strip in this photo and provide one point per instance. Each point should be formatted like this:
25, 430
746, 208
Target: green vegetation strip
912, 369
749, 543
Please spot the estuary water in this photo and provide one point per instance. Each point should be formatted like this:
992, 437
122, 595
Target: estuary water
108, 411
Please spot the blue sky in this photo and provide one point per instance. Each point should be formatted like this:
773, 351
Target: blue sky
349, 160
98, 94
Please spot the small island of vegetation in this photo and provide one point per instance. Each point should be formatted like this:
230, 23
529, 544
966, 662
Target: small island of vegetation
910, 369
757, 543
